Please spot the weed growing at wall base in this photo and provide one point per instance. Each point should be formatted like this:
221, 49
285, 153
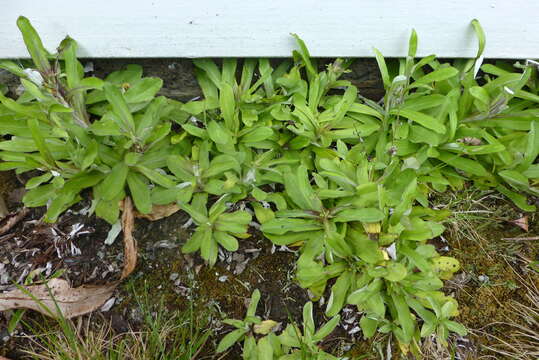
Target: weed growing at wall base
345, 179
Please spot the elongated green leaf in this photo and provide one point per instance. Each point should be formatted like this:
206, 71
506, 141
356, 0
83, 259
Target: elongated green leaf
228, 108
280, 226
468, 165
140, 192
405, 317
230, 339
366, 215
339, 293
383, 68
119, 106
114, 182
156, 177
40, 141
437, 75
143, 90
423, 119
34, 45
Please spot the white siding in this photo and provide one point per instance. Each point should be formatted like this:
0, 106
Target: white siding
257, 28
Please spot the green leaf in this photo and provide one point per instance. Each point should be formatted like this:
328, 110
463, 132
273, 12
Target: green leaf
230, 339
38, 180
517, 198
39, 196
440, 74
308, 320
140, 192
119, 106
280, 226
255, 298
150, 119
208, 247
264, 349
480, 94
40, 141
468, 165
227, 241
156, 177
114, 182
211, 70
34, 45
366, 215
456, 327
300, 191
423, 119
368, 326
228, 108
257, 134
339, 292
383, 68
395, 271
217, 133
143, 90
327, 328
405, 317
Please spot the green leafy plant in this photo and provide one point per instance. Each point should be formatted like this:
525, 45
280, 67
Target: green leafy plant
73, 133
260, 341
215, 227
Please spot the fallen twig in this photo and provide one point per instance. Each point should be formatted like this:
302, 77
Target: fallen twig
522, 238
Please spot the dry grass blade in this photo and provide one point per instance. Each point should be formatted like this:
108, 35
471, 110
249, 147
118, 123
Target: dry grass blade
57, 295
523, 341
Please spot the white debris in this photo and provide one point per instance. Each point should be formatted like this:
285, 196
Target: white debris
34, 76
392, 251
88, 67
113, 233
108, 304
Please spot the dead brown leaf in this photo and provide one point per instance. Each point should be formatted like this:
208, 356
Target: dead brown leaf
74, 301
522, 223
11, 220
57, 292
159, 212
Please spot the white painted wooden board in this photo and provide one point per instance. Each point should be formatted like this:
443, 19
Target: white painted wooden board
261, 28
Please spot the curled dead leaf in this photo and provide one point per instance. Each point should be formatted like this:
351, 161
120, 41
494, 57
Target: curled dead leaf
10, 220
522, 223
159, 212
57, 294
